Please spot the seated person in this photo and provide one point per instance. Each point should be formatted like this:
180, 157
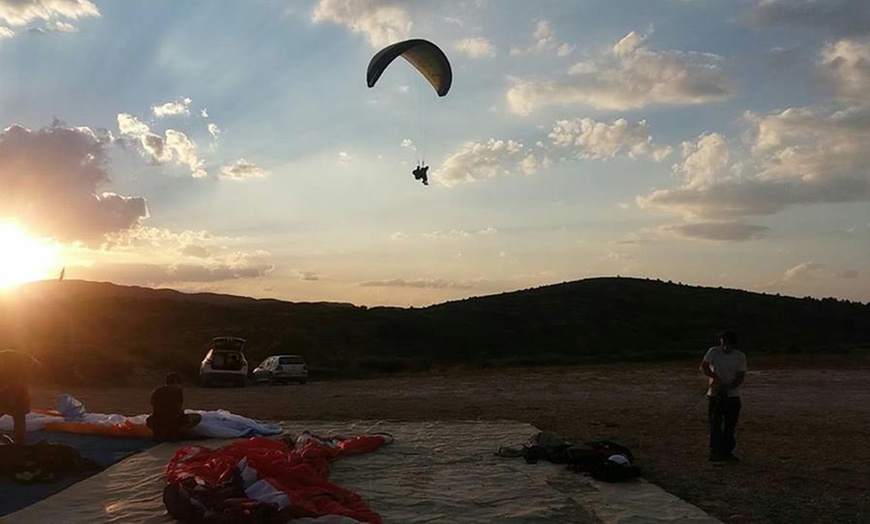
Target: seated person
15, 370
421, 173
168, 420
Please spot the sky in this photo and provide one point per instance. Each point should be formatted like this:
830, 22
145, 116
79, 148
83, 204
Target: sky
234, 146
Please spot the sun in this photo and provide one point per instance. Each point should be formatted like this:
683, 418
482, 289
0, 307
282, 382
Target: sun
24, 258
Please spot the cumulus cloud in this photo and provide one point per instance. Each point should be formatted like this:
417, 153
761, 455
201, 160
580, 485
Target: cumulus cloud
174, 146
309, 276
846, 64
837, 17
629, 76
476, 47
431, 283
242, 170
544, 40
53, 180
382, 22
798, 156
22, 12
153, 274
204, 257
476, 161
179, 107
56, 27
214, 130
599, 140
717, 231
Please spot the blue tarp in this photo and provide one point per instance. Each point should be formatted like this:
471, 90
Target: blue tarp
101, 449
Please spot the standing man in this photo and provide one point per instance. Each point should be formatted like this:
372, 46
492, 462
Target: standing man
725, 366
15, 372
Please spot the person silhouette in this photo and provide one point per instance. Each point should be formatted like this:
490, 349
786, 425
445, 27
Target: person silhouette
421, 173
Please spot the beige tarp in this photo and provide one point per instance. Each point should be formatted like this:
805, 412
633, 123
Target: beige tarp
433, 472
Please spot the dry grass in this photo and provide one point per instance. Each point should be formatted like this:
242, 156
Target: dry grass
802, 435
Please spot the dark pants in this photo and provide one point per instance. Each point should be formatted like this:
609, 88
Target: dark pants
723, 414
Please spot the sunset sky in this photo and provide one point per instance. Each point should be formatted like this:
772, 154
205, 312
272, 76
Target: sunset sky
234, 147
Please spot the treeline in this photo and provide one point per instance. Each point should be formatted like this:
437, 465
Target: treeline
87, 331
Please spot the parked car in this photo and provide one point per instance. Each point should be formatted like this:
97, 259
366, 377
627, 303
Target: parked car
282, 369
224, 362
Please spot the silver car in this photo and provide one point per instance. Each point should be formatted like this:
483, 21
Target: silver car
281, 369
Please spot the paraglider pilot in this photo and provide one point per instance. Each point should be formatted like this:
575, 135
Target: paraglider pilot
421, 174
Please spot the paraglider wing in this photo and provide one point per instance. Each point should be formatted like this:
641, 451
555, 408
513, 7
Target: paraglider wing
422, 54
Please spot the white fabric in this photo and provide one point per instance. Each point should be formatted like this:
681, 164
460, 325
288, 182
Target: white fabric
33, 421
432, 472
215, 424
726, 365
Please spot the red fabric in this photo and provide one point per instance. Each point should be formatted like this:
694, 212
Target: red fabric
278, 473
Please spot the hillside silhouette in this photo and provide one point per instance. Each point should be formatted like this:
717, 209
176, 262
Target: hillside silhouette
87, 331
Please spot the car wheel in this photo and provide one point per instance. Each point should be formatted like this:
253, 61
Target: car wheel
271, 379
303, 380
242, 382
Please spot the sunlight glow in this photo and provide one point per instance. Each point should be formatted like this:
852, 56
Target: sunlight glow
24, 258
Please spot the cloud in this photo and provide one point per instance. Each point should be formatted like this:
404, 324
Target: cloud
203, 257
544, 41
53, 181
803, 271
153, 275
174, 146
717, 231
450, 234
179, 107
836, 17
5, 32
242, 170
214, 130
629, 76
382, 22
420, 283
476, 47
22, 12
599, 140
56, 27
196, 251
453, 233
797, 156
309, 276
846, 64
849, 273
476, 161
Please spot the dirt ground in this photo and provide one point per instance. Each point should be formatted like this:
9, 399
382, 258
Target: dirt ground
802, 433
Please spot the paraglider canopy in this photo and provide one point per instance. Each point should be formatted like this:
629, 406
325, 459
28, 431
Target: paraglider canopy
422, 54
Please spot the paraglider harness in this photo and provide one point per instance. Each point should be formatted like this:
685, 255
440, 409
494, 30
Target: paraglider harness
421, 173
41, 462
602, 460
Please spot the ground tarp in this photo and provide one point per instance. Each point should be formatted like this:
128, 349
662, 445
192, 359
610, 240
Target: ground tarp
432, 472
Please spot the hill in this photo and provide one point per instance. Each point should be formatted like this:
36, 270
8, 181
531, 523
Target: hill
89, 330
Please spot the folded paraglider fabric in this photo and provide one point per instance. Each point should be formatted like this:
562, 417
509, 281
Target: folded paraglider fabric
265, 480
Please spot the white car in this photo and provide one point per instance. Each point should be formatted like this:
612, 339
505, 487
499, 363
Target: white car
282, 369
224, 362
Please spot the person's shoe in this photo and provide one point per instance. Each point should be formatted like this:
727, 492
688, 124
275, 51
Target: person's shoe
732, 458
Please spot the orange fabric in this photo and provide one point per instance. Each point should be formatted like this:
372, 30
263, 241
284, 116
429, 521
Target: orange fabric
125, 429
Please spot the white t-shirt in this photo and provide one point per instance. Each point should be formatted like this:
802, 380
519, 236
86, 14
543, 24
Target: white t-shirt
726, 365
